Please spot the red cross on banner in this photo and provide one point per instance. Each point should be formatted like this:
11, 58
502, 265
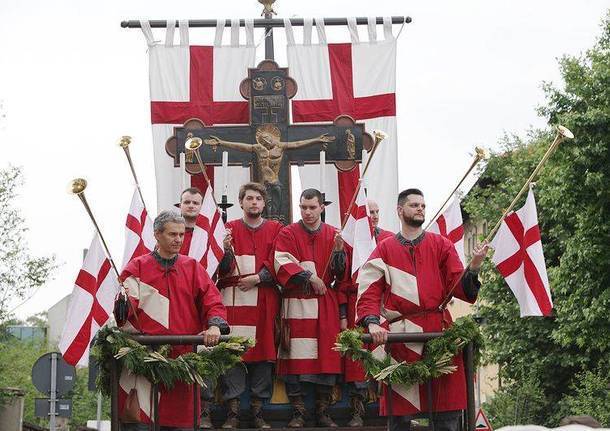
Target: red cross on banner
343, 101
201, 103
519, 258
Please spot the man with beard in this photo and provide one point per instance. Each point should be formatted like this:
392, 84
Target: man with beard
170, 294
252, 301
309, 256
380, 234
190, 205
405, 280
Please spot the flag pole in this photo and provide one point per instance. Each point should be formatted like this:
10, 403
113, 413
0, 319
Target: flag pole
563, 133
124, 144
77, 187
379, 137
479, 155
193, 143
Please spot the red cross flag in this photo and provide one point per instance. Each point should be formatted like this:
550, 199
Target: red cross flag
358, 232
139, 236
189, 81
90, 305
519, 258
356, 79
208, 235
449, 224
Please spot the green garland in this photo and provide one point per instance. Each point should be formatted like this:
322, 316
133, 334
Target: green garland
436, 360
157, 367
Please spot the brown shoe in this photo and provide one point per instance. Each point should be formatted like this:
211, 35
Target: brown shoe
322, 417
256, 406
358, 411
232, 421
298, 414
205, 421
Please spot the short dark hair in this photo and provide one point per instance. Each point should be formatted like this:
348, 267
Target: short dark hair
312, 193
402, 196
255, 187
193, 191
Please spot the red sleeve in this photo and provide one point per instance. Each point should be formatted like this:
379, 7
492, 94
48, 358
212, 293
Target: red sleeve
133, 294
268, 262
286, 257
209, 300
371, 285
452, 270
227, 271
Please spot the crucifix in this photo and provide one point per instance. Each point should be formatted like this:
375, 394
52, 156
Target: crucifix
270, 144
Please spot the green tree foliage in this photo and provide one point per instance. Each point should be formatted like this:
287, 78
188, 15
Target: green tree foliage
21, 356
20, 273
559, 355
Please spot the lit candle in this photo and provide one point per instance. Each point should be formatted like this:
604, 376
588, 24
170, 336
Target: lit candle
365, 156
225, 173
184, 174
322, 170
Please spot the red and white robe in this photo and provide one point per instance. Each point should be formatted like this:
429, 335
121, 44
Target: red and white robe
179, 300
252, 313
405, 282
353, 370
313, 320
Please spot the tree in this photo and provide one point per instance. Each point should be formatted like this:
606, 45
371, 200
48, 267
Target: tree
20, 273
563, 355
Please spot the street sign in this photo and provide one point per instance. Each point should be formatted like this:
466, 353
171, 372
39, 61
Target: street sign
41, 375
42, 407
482, 423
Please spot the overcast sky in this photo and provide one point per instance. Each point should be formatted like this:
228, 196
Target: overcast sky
72, 82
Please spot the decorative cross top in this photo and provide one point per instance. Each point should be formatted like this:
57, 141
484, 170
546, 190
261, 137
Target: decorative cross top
270, 143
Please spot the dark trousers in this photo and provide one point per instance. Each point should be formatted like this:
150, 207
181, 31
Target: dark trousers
258, 376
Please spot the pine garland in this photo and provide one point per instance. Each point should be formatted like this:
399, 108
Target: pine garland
437, 359
157, 367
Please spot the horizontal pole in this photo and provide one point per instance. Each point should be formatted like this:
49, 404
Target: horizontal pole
155, 340
275, 22
405, 337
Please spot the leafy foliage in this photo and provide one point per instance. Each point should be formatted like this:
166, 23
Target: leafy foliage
436, 361
573, 198
20, 273
157, 366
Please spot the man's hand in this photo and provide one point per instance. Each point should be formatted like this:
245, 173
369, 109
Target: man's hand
343, 324
247, 283
211, 336
478, 256
317, 285
338, 242
379, 334
226, 243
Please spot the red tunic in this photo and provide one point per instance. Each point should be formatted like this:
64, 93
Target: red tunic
313, 320
252, 313
176, 301
353, 370
396, 284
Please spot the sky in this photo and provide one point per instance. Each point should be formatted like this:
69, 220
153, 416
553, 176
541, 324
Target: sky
72, 82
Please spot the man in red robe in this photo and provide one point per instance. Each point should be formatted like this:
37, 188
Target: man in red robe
169, 294
308, 257
379, 233
252, 300
190, 205
400, 289
353, 372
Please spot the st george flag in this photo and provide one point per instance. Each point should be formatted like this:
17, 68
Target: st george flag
450, 225
90, 306
139, 236
206, 245
358, 232
519, 258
